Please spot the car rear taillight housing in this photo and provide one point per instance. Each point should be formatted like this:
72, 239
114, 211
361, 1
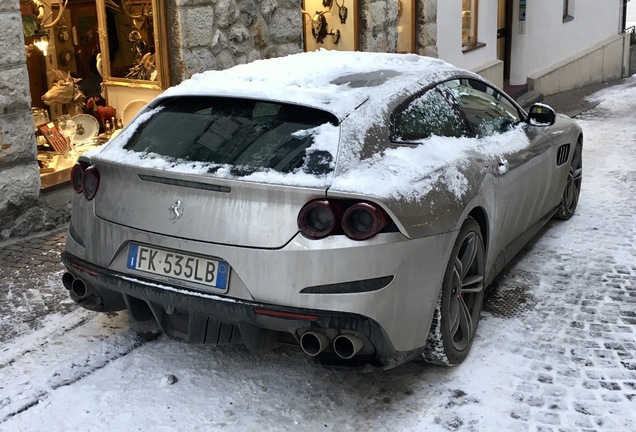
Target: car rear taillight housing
319, 218
77, 175
358, 220
363, 220
85, 179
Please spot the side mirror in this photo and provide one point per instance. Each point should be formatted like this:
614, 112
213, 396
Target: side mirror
541, 115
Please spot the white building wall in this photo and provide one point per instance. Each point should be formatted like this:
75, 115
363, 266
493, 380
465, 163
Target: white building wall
449, 35
631, 14
546, 40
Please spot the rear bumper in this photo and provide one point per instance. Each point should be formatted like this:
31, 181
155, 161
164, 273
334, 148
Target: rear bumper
198, 317
297, 276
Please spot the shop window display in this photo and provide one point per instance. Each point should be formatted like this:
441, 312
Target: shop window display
62, 74
134, 46
134, 51
330, 24
68, 47
333, 25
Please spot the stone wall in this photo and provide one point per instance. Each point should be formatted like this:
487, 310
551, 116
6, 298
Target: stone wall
427, 27
378, 25
218, 34
21, 208
19, 176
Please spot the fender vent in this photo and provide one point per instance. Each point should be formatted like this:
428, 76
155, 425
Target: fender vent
562, 154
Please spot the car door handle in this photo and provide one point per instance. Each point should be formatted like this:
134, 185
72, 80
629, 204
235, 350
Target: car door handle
503, 166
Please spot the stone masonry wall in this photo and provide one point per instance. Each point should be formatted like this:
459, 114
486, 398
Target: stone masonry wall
19, 175
218, 34
21, 208
378, 25
426, 24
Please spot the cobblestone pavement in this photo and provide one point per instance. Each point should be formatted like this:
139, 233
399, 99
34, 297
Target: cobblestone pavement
579, 281
30, 273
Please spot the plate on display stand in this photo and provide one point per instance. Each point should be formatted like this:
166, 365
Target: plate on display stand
87, 128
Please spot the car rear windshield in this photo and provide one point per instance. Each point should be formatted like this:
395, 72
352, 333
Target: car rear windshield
249, 135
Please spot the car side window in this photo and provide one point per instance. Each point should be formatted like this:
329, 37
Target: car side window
488, 111
427, 115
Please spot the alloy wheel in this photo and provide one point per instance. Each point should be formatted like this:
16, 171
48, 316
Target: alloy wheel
575, 174
466, 291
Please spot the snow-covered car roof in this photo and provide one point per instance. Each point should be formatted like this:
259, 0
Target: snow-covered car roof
334, 81
359, 88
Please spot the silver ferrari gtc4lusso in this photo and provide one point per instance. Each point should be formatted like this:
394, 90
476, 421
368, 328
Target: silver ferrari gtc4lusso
356, 204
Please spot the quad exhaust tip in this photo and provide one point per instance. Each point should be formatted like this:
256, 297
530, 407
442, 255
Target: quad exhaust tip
313, 343
67, 280
79, 288
76, 286
346, 346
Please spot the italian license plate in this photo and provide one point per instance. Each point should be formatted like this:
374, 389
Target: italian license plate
178, 265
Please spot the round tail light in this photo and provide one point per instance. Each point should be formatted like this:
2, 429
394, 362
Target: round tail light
363, 220
318, 219
90, 182
77, 176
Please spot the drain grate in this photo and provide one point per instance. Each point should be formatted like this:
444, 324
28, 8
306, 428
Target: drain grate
505, 301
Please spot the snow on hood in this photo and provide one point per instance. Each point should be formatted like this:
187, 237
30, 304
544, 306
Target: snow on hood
337, 82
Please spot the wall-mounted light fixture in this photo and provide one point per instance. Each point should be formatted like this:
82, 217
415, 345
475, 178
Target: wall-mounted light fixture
42, 42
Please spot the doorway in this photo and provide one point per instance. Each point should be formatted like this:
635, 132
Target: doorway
504, 35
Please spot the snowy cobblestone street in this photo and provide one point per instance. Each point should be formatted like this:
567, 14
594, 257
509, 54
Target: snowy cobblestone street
24, 265
579, 343
555, 351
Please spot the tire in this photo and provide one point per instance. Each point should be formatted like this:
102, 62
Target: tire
572, 190
461, 298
